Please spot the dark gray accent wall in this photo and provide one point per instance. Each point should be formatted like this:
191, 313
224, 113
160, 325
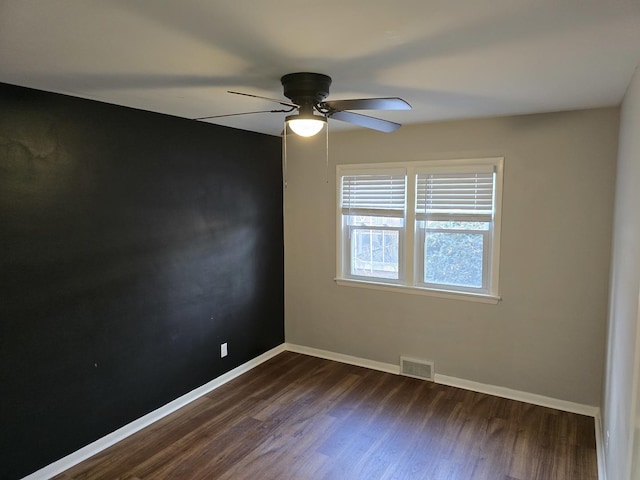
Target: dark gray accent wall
132, 244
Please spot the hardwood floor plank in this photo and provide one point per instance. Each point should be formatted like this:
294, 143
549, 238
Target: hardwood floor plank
300, 417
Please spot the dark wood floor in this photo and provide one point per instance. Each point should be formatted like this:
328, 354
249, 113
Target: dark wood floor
300, 417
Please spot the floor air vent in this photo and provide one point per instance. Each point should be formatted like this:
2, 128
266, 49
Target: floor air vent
411, 367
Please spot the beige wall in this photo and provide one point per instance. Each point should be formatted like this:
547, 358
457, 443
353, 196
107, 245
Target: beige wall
622, 370
547, 335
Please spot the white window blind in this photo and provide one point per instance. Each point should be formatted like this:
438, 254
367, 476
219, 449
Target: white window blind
376, 195
455, 193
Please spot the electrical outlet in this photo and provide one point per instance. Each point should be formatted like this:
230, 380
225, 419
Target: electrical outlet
223, 350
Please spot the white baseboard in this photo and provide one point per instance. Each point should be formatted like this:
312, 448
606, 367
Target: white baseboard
339, 357
518, 395
90, 450
454, 382
131, 428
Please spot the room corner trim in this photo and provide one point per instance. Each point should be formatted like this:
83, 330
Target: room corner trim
600, 452
108, 440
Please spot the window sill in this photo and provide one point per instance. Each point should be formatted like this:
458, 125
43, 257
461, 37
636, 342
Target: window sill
390, 287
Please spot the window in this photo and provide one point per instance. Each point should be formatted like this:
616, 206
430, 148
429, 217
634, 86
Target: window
427, 227
373, 206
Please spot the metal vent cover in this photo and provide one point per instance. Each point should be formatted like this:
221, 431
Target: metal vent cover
412, 367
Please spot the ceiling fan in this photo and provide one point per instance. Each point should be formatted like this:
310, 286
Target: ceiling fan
307, 92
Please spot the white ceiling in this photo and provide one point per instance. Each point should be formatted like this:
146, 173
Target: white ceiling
449, 59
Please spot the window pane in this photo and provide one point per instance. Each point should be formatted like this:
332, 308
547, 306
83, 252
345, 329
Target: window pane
371, 221
453, 258
374, 253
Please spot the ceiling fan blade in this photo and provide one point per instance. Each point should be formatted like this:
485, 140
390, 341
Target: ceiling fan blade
391, 103
366, 121
281, 102
242, 113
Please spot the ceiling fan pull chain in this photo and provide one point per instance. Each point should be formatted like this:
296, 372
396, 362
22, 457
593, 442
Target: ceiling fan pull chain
284, 156
327, 150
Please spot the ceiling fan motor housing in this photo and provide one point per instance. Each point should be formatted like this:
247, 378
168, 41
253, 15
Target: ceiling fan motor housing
306, 89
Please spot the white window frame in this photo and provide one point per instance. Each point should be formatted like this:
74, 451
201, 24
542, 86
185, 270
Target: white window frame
412, 237
346, 230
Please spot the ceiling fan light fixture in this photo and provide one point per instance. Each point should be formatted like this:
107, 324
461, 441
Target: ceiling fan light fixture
308, 91
307, 125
